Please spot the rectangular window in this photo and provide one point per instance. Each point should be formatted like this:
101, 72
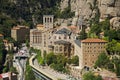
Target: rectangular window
54, 37
65, 37
61, 48
59, 37
56, 49
44, 44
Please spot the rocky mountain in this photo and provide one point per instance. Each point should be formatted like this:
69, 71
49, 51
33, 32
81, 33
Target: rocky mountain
90, 9
86, 11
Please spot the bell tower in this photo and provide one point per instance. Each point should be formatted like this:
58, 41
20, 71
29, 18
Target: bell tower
48, 21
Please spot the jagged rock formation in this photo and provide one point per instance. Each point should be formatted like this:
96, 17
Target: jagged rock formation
85, 10
110, 8
88, 8
64, 4
115, 23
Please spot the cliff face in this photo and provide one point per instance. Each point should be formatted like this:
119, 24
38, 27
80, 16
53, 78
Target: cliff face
89, 8
85, 10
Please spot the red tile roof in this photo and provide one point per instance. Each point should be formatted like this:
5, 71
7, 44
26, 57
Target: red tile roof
40, 25
19, 27
72, 27
109, 78
93, 40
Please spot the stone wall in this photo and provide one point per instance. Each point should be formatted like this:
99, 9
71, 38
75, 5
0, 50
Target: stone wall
107, 8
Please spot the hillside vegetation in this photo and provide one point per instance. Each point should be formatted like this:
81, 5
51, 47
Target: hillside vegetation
28, 12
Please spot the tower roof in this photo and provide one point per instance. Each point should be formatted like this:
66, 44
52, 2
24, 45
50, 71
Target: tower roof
63, 31
48, 15
62, 42
92, 40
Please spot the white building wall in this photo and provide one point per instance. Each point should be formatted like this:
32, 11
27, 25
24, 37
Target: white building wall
78, 52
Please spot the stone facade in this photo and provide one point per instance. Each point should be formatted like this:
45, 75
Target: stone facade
35, 38
61, 41
88, 51
39, 36
49, 39
91, 49
20, 33
78, 52
48, 21
52, 41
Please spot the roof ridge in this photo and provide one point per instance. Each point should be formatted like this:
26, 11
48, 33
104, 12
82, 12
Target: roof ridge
93, 40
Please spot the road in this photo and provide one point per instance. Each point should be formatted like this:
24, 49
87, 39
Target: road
21, 62
50, 71
20, 69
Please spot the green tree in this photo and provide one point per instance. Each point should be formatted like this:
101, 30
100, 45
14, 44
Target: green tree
13, 69
105, 25
50, 58
5, 69
113, 47
75, 60
27, 43
102, 60
116, 62
57, 62
91, 76
61, 59
111, 34
118, 69
118, 35
110, 66
6, 24
82, 35
2, 53
110, 46
95, 28
1, 57
29, 75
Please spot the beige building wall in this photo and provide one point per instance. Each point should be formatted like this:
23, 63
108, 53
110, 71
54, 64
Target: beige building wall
88, 51
48, 21
36, 38
40, 27
14, 34
78, 52
20, 33
45, 39
47, 31
49, 37
43, 36
91, 51
64, 49
61, 42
